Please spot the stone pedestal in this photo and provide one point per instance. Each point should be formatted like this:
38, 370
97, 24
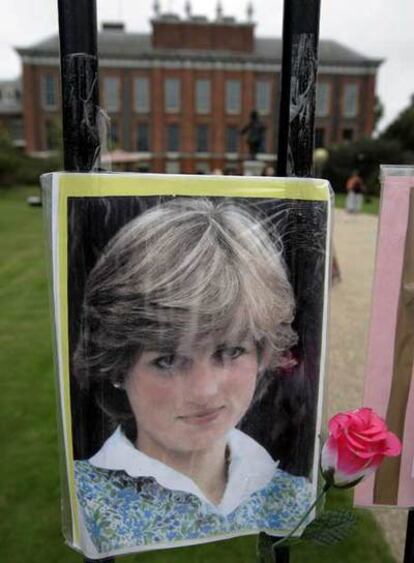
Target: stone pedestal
253, 168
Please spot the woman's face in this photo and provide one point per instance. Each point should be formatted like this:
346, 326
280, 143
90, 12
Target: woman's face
188, 401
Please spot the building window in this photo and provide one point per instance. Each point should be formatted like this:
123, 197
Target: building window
350, 101
111, 93
348, 134
172, 167
202, 134
172, 93
143, 137
50, 135
16, 129
319, 137
233, 96
173, 137
232, 139
113, 133
141, 95
323, 99
264, 143
202, 168
263, 96
143, 168
203, 94
231, 170
49, 92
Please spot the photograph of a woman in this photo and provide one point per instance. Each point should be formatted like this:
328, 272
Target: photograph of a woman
190, 318
185, 315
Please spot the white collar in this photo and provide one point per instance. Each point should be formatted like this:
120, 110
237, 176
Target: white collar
251, 468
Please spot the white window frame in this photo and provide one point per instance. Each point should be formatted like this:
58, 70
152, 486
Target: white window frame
203, 95
264, 95
203, 167
233, 96
227, 149
350, 105
45, 92
142, 94
172, 167
111, 88
169, 149
138, 126
207, 138
172, 98
323, 99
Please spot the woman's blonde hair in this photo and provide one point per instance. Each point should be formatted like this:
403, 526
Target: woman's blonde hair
184, 272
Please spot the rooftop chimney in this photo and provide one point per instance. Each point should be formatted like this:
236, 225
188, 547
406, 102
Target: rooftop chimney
197, 32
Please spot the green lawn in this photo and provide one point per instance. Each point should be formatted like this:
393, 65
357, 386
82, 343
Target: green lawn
30, 497
370, 205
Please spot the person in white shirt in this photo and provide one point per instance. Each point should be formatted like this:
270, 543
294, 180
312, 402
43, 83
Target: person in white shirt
186, 315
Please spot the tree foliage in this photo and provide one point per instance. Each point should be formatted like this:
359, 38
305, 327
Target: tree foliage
402, 129
365, 156
19, 168
378, 111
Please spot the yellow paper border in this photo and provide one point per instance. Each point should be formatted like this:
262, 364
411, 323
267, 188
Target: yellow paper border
185, 185
101, 185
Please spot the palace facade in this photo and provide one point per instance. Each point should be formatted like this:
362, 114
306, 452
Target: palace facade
178, 97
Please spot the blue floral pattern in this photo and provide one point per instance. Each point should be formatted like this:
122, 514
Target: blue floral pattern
123, 512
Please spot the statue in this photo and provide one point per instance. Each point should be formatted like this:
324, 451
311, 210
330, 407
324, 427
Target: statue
255, 131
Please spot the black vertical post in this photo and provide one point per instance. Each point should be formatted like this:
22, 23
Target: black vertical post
297, 105
281, 554
80, 93
409, 539
79, 74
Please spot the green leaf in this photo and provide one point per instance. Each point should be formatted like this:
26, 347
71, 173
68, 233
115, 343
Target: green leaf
331, 527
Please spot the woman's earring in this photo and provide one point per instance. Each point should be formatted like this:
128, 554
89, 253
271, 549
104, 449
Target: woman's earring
117, 385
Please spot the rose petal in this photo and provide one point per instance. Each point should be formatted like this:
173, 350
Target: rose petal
357, 444
348, 462
363, 415
329, 455
371, 435
362, 445
393, 445
337, 422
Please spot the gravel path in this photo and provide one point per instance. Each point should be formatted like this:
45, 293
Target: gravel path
354, 241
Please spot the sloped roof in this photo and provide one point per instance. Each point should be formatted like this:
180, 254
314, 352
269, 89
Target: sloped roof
125, 45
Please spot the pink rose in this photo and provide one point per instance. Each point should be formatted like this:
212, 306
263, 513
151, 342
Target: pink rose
358, 442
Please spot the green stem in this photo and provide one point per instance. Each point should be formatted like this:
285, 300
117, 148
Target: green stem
326, 487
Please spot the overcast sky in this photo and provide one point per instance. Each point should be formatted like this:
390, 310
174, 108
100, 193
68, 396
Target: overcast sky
377, 28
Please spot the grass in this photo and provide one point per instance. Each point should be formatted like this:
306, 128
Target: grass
370, 205
30, 498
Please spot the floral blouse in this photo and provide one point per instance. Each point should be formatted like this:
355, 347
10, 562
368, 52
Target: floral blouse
123, 513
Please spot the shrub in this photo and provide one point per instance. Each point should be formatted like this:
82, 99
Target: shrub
366, 156
18, 168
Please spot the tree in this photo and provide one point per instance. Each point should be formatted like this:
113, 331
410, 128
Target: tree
402, 128
10, 159
378, 111
366, 156
18, 168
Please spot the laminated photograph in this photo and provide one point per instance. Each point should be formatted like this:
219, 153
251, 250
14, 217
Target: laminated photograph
191, 317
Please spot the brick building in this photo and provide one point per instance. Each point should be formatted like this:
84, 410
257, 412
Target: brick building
178, 97
11, 112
